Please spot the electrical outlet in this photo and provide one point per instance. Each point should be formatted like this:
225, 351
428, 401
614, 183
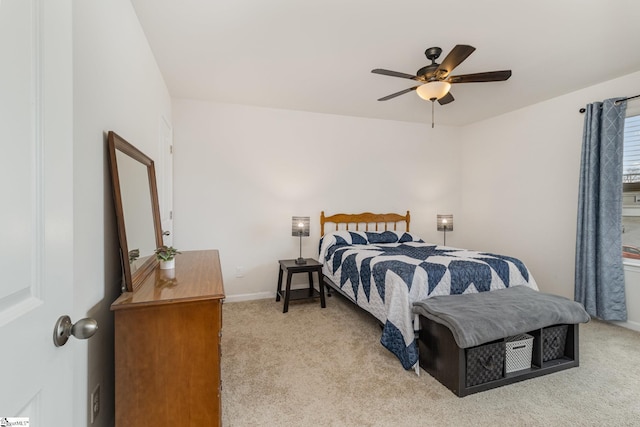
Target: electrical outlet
95, 403
239, 271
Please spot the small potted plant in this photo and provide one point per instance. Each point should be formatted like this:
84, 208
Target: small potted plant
167, 256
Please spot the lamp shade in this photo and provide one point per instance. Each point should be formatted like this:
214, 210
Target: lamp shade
300, 226
445, 222
432, 91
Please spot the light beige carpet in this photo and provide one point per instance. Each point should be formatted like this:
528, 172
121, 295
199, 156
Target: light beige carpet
326, 367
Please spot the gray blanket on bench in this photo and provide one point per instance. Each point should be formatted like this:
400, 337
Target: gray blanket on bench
479, 318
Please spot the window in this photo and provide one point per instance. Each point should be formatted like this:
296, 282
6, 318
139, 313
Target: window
631, 161
631, 189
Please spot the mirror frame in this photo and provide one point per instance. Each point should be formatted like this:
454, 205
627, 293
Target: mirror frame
116, 143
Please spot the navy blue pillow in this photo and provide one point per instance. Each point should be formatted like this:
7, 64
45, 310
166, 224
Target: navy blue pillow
407, 237
357, 239
340, 241
385, 237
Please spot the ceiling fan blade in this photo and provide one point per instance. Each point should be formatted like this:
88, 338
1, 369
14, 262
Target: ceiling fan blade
402, 92
446, 99
489, 76
393, 73
458, 54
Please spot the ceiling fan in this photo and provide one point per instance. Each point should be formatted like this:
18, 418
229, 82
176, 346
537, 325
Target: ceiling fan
436, 79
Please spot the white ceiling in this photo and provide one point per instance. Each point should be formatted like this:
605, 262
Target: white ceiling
318, 55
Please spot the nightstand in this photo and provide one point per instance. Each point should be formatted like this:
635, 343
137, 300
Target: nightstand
290, 267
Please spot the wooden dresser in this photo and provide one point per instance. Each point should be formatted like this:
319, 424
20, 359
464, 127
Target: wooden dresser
167, 345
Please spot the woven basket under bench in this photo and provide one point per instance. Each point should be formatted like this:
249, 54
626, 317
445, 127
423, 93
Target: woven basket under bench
480, 368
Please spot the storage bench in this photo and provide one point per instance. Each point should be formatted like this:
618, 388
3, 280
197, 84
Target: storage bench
462, 338
441, 357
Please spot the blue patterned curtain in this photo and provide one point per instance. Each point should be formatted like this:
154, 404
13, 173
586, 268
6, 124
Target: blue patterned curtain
599, 273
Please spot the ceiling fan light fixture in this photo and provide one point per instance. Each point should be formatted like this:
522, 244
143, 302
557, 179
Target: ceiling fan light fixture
432, 91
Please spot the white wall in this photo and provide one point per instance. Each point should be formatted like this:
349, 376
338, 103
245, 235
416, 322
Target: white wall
117, 86
520, 185
241, 172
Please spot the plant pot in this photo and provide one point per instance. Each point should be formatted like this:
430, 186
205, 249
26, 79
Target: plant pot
167, 274
168, 265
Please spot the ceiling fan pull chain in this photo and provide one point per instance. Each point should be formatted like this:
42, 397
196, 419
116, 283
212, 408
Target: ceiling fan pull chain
432, 113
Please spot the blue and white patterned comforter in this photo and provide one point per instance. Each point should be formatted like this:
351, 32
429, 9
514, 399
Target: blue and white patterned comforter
386, 272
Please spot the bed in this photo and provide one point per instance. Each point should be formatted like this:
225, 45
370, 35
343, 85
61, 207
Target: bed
377, 263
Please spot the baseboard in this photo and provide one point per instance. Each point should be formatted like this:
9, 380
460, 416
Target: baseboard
629, 324
250, 297
259, 295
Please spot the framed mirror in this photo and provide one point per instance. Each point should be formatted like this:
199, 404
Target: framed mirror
135, 195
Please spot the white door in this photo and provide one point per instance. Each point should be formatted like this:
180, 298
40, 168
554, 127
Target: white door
166, 184
36, 211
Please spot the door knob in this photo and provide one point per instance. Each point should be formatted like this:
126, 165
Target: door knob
82, 329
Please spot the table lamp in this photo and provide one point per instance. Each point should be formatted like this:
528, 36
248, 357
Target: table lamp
445, 223
299, 228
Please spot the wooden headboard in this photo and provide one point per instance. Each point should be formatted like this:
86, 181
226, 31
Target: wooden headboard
366, 218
